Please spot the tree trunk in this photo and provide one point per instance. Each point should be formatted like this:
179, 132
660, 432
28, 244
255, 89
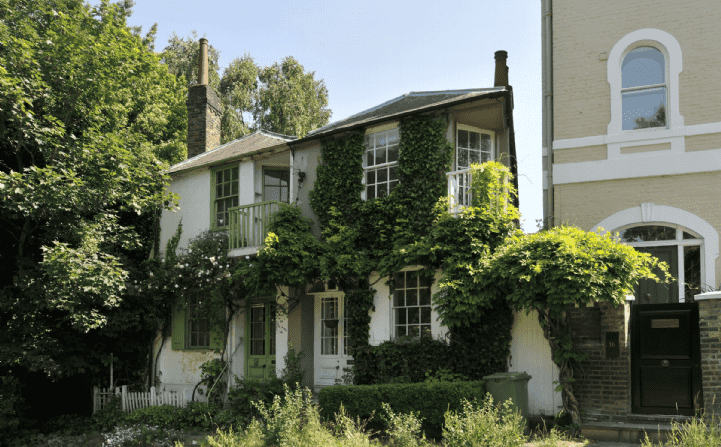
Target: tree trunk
553, 330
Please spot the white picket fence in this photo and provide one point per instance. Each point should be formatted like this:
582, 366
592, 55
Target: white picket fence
135, 401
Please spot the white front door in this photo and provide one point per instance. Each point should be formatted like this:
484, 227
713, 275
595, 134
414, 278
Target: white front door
331, 339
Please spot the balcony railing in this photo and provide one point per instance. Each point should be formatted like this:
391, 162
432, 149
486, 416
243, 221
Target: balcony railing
459, 190
248, 224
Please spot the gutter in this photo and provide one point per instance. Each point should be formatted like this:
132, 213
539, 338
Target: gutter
547, 16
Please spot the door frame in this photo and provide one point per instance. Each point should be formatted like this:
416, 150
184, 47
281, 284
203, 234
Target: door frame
269, 338
340, 360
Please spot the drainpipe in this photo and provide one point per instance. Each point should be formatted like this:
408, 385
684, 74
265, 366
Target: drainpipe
547, 16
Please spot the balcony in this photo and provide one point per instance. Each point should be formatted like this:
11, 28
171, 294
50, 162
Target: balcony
248, 226
459, 190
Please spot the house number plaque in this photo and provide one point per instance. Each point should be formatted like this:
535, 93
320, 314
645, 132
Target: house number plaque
613, 350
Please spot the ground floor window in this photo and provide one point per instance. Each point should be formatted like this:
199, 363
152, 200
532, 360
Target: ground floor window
411, 305
681, 248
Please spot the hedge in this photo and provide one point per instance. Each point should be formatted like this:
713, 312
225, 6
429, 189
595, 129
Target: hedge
431, 400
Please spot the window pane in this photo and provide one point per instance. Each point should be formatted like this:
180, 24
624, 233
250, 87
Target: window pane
411, 297
219, 177
392, 153
272, 178
463, 138
400, 331
380, 156
411, 280
393, 136
380, 139
234, 190
644, 108
425, 297
643, 66
413, 315
382, 190
370, 192
400, 316
400, 280
462, 159
369, 159
692, 271
648, 233
398, 298
413, 331
474, 157
370, 177
475, 140
226, 175
689, 236
426, 315
219, 191
392, 173
382, 175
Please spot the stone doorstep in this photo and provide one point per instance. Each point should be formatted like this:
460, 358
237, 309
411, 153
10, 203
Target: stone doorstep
633, 431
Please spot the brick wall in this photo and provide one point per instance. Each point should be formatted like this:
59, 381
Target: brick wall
204, 112
603, 389
710, 327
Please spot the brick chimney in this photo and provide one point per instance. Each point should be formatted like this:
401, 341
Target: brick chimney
204, 109
501, 79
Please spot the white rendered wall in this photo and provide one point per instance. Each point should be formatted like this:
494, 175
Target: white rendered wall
193, 207
531, 353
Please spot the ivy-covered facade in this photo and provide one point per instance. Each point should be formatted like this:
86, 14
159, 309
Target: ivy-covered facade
341, 271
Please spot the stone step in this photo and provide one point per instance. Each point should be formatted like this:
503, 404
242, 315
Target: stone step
630, 432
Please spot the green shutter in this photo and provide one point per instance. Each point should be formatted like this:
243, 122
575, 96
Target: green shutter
178, 326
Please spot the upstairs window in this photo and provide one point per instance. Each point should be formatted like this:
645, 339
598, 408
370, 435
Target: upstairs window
380, 162
473, 145
644, 89
225, 187
276, 184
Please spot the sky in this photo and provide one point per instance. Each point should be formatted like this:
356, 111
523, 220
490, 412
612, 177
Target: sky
368, 52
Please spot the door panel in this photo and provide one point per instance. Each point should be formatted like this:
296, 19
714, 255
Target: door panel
665, 362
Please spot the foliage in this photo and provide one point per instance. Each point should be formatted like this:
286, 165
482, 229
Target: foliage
282, 98
404, 429
484, 424
700, 431
293, 372
430, 400
550, 270
110, 416
290, 101
247, 391
212, 373
161, 416
88, 117
445, 375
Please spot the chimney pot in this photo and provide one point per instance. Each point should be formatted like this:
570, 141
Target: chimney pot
203, 62
501, 79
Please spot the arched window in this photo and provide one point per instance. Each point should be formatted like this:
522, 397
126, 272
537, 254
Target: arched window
642, 71
681, 248
644, 88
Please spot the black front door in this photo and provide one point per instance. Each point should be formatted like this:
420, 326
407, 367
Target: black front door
665, 359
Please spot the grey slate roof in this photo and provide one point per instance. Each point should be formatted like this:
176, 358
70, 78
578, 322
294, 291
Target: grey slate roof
408, 103
248, 145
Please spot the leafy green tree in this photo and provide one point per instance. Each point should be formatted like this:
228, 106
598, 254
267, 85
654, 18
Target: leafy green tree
282, 98
291, 101
88, 118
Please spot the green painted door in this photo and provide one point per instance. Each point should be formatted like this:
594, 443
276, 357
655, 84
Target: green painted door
260, 341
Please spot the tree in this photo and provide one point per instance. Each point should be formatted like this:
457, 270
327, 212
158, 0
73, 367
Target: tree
291, 101
657, 120
88, 119
281, 98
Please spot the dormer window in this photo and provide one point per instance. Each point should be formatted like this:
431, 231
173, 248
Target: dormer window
644, 89
380, 162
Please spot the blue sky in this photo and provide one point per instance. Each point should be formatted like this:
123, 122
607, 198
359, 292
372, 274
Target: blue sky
371, 51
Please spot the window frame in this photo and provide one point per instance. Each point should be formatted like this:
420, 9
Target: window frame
393, 307
468, 128
376, 167
213, 196
181, 330
647, 87
275, 168
671, 50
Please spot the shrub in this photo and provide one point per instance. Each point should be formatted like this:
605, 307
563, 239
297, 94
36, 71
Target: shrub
429, 400
68, 424
197, 415
162, 416
695, 433
110, 416
484, 425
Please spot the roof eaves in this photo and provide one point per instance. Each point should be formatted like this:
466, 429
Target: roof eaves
488, 93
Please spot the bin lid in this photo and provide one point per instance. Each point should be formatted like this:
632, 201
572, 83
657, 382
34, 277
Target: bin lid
507, 377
